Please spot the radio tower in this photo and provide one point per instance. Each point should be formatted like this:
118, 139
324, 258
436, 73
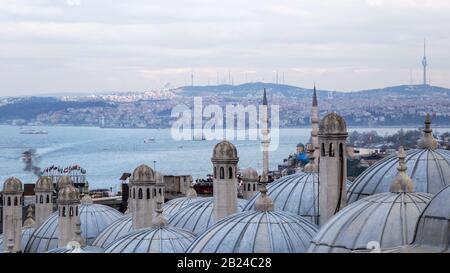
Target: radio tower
424, 63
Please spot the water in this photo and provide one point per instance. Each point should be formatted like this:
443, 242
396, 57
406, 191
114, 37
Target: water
107, 153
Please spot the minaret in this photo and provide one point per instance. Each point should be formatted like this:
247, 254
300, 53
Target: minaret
225, 161
427, 141
68, 213
250, 180
315, 126
159, 186
12, 214
144, 194
44, 199
265, 142
424, 63
332, 166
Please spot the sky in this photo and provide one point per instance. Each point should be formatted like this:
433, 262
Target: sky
54, 46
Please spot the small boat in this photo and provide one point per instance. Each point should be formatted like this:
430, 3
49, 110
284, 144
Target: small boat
33, 132
180, 146
148, 140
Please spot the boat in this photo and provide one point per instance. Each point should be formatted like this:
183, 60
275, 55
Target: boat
33, 132
148, 140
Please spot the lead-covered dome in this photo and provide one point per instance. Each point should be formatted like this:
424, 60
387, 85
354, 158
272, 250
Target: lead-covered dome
116, 230
433, 228
386, 218
83, 249
224, 150
333, 124
250, 175
94, 219
257, 232
173, 206
153, 240
12, 185
64, 181
68, 195
429, 169
296, 193
199, 215
44, 184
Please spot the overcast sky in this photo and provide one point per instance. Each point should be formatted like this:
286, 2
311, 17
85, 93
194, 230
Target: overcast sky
114, 45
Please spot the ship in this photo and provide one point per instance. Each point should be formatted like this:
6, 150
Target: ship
33, 132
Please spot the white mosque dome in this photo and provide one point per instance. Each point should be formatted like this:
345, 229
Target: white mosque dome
199, 215
257, 232
94, 219
173, 206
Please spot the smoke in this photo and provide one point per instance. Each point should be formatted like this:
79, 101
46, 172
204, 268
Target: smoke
31, 159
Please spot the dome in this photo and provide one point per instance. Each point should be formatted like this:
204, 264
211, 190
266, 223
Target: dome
84, 249
333, 124
432, 230
224, 150
429, 169
116, 230
250, 175
173, 206
199, 215
94, 219
296, 193
153, 240
387, 218
68, 195
64, 181
256, 232
26, 235
143, 174
44, 183
12, 185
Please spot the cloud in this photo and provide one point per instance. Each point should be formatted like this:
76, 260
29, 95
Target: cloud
135, 45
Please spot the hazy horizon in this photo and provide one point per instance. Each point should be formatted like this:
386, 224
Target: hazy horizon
97, 46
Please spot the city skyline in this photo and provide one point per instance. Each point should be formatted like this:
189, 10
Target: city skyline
97, 46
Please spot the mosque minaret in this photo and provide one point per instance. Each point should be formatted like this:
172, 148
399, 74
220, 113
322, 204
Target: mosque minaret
225, 161
12, 214
265, 141
68, 214
332, 166
315, 126
44, 199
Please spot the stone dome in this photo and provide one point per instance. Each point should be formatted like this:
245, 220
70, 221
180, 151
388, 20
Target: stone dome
224, 150
68, 195
296, 193
117, 229
332, 124
250, 175
94, 219
387, 218
26, 235
64, 181
44, 184
256, 232
84, 249
429, 169
143, 174
199, 215
153, 240
12, 185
